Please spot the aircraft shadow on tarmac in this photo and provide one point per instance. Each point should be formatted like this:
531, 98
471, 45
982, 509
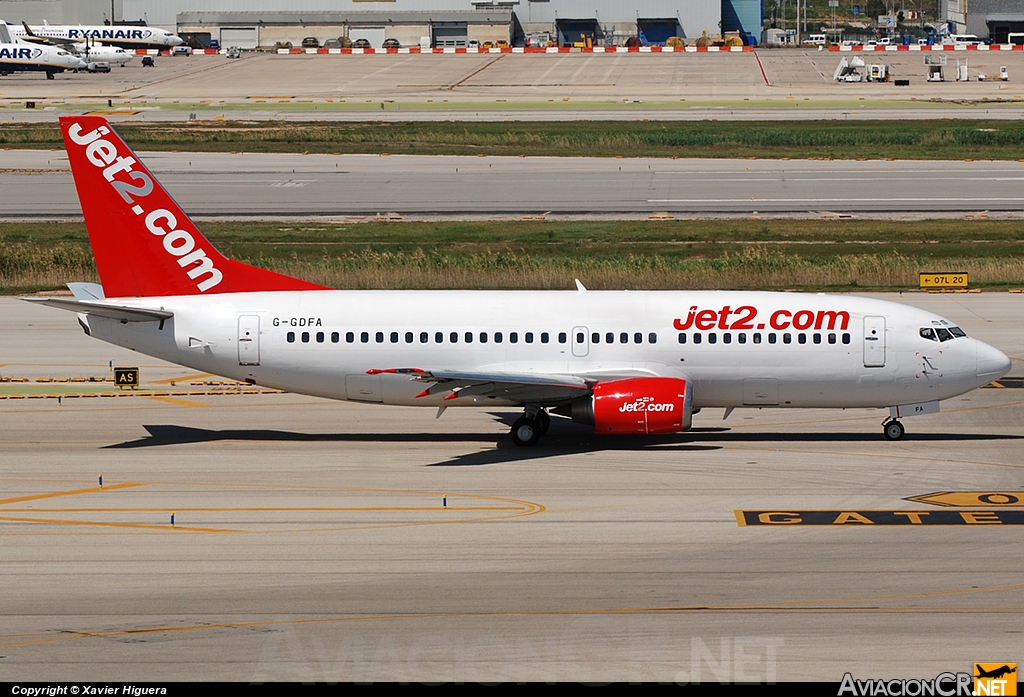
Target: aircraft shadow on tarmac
563, 439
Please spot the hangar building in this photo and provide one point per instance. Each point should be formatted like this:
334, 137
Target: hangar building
262, 23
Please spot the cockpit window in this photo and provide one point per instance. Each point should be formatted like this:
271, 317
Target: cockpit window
942, 333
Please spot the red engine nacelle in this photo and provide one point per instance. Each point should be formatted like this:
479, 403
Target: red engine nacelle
636, 405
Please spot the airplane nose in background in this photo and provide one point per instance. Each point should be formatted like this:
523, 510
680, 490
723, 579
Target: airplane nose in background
992, 363
176, 41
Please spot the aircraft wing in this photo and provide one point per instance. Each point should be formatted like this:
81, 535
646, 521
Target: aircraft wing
121, 313
542, 388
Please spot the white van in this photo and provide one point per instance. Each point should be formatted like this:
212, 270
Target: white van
815, 40
962, 40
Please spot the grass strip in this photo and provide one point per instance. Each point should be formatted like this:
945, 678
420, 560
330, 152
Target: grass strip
662, 254
917, 140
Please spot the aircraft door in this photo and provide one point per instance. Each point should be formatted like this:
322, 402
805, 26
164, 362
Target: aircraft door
580, 342
874, 342
248, 340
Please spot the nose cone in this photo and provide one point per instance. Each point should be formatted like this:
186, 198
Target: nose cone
173, 40
992, 363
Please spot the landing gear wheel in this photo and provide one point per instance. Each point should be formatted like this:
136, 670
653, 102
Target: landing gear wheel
893, 430
526, 432
544, 421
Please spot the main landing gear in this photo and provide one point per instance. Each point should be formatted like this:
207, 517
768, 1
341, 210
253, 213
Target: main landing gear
893, 429
529, 427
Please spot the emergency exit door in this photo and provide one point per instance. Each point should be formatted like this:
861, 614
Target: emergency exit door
874, 342
249, 340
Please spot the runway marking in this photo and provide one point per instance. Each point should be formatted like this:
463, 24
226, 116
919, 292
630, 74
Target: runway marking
183, 378
73, 492
178, 401
143, 526
499, 508
819, 605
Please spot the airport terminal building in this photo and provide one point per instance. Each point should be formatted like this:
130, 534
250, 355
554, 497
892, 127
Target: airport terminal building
264, 23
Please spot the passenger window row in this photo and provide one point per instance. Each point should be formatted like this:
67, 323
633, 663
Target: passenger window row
424, 337
465, 337
623, 338
756, 338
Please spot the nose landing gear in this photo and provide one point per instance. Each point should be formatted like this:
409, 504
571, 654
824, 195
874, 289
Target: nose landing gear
893, 429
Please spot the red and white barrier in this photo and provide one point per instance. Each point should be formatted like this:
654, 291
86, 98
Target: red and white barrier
933, 47
509, 49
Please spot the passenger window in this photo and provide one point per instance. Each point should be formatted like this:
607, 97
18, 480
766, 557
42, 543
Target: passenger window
697, 338
787, 338
712, 338
543, 338
757, 337
438, 337
469, 337
529, 338
652, 338
561, 337
727, 338
319, 337
453, 337
335, 337
350, 337
379, 337
498, 337
408, 337
581, 338
394, 337
595, 338
513, 337
638, 338
846, 338
624, 338
424, 337
831, 338
802, 337
290, 337
305, 337
483, 337
365, 337
771, 338
682, 337
609, 338
817, 338
742, 338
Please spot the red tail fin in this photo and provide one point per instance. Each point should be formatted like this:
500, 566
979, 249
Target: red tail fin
143, 242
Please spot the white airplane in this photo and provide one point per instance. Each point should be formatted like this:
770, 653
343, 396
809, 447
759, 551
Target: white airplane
17, 56
91, 51
621, 362
123, 36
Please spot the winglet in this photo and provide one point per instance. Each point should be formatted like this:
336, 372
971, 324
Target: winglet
144, 244
579, 286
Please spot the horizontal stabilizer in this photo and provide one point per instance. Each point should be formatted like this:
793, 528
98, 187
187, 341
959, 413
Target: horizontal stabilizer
118, 312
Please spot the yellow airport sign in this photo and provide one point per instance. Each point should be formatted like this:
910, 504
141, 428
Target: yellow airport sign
1001, 499
126, 377
863, 518
943, 280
